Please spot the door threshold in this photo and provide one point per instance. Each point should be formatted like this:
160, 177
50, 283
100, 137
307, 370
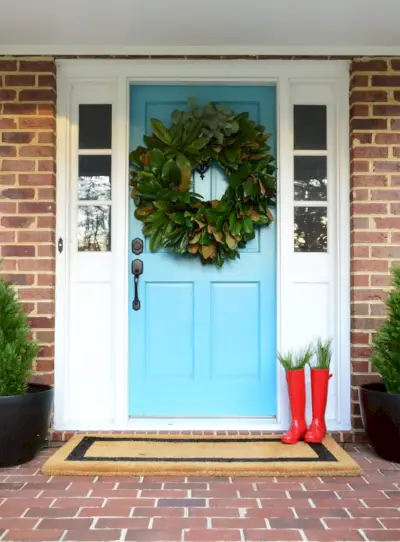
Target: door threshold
269, 423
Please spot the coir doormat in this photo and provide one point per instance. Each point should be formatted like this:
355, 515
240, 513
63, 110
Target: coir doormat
198, 455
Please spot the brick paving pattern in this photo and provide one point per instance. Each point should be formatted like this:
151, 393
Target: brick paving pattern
179, 509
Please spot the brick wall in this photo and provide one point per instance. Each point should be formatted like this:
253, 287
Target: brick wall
375, 203
27, 192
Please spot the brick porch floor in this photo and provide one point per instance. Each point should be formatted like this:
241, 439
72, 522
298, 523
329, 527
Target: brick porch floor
36, 507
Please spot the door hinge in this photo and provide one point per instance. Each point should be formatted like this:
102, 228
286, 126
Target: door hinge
60, 244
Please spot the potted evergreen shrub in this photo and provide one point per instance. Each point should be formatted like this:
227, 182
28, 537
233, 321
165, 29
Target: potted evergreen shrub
380, 401
25, 408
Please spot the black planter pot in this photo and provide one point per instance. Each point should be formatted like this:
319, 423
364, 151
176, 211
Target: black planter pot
24, 424
380, 413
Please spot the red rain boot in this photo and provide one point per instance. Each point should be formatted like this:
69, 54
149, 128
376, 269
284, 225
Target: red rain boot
319, 393
297, 397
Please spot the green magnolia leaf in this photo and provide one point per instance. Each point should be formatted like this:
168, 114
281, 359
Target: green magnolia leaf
162, 205
191, 132
250, 187
155, 240
248, 225
161, 131
176, 116
157, 160
171, 172
179, 218
197, 145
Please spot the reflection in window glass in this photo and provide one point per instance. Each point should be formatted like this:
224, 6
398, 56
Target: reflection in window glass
94, 181
310, 229
94, 228
310, 181
95, 126
310, 127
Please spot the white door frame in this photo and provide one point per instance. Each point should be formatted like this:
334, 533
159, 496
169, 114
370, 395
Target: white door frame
120, 74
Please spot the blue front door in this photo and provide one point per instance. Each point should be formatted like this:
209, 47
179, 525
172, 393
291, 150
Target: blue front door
203, 343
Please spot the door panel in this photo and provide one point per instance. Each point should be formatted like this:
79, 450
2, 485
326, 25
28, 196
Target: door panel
203, 343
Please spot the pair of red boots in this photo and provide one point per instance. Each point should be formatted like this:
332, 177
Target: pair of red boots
297, 397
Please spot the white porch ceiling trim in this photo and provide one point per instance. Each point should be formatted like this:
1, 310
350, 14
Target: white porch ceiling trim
118, 50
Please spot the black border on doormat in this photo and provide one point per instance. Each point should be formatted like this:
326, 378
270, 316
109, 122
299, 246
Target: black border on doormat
78, 453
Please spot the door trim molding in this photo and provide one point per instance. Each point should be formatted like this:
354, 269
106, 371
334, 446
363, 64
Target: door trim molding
121, 74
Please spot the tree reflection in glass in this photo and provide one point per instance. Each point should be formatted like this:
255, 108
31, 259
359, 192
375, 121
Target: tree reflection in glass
310, 178
94, 181
94, 228
310, 229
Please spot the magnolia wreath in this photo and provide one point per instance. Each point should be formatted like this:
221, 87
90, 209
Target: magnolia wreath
176, 218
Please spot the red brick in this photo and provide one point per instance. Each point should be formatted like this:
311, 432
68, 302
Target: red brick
370, 265
360, 251
369, 237
47, 137
369, 208
30, 123
65, 523
358, 166
7, 124
378, 535
18, 165
34, 66
17, 221
385, 194
50, 512
47, 109
231, 535
374, 65
35, 293
352, 524
359, 81
47, 165
368, 96
41, 535
37, 179
389, 223
368, 124
332, 536
17, 250
8, 65
385, 80
19, 109
7, 95
18, 137
37, 207
110, 510
359, 338
20, 80
387, 139
98, 535
370, 152
263, 535
358, 110
36, 236
386, 110
42, 150
33, 95
6, 150
18, 193
47, 81
386, 166
389, 252
7, 179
